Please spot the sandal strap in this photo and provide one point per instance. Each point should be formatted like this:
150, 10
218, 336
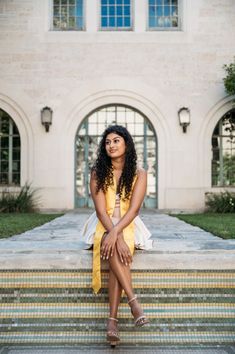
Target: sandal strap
140, 318
112, 318
134, 298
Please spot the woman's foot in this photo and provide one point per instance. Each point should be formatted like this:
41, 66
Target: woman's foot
112, 331
136, 310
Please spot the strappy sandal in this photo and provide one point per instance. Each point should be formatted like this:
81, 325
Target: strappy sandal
141, 320
112, 336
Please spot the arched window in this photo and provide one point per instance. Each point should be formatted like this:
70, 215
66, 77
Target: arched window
9, 151
89, 135
223, 151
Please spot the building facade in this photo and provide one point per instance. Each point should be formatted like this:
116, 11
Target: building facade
130, 62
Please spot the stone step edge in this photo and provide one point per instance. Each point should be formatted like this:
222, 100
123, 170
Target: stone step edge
213, 261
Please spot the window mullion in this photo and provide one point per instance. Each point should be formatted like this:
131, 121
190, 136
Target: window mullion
0, 146
10, 155
221, 171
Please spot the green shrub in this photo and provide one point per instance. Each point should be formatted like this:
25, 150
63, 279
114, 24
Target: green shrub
24, 201
229, 80
223, 202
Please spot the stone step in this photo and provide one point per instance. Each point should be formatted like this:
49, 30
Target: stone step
187, 306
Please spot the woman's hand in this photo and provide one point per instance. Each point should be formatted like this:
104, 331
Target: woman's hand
123, 250
108, 244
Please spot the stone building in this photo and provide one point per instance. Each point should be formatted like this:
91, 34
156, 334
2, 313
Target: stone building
141, 63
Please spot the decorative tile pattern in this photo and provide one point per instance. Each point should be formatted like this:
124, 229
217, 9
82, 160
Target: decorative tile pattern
58, 307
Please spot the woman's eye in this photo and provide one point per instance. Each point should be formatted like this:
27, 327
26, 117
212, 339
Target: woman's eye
116, 140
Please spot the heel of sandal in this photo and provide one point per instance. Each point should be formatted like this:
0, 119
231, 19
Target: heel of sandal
141, 320
112, 336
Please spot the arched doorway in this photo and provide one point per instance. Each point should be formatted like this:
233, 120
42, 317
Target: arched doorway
88, 137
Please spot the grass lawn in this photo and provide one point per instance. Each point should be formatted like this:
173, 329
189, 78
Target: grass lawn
222, 225
16, 223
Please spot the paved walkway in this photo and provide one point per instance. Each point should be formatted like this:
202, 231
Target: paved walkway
176, 245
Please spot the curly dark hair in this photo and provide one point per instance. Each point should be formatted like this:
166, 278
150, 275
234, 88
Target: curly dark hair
103, 165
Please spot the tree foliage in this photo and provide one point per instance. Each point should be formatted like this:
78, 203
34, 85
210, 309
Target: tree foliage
229, 79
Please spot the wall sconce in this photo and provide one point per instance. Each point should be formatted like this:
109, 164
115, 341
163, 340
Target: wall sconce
46, 117
184, 118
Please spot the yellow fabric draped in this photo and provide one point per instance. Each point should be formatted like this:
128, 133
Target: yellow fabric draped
128, 232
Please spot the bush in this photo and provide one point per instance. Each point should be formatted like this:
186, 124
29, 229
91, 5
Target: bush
223, 202
23, 202
229, 80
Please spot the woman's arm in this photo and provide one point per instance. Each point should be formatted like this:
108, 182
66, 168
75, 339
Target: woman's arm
136, 201
100, 204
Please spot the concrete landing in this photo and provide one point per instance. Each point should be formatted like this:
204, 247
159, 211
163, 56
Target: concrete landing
58, 244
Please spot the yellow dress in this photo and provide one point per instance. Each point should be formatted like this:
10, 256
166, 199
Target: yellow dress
128, 232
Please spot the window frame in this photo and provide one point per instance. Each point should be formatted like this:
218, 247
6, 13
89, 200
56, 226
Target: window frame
116, 29
84, 3
220, 136
10, 161
166, 29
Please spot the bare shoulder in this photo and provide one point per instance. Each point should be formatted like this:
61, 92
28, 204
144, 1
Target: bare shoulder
141, 172
93, 174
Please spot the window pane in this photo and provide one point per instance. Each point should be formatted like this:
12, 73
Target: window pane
118, 13
119, 21
119, 10
111, 10
126, 10
56, 10
152, 22
4, 126
127, 22
71, 10
104, 22
72, 22
112, 21
163, 13
68, 14
104, 11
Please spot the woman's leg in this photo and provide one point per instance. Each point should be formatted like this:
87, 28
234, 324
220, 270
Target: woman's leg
115, 291
123, 274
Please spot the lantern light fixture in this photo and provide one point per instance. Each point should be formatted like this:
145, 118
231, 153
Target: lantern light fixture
46, 117
184, 118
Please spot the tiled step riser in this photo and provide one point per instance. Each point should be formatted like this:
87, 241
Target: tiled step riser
126, 337
54, 307
187, 310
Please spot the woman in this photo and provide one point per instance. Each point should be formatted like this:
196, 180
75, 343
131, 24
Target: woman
118, 188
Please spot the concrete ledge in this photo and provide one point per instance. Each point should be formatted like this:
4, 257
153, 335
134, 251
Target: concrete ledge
142, 260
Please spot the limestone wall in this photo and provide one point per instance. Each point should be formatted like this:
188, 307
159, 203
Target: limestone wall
156, 72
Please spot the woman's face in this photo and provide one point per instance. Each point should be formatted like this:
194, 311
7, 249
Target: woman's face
115, 145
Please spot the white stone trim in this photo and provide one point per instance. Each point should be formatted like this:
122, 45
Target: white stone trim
208, 125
